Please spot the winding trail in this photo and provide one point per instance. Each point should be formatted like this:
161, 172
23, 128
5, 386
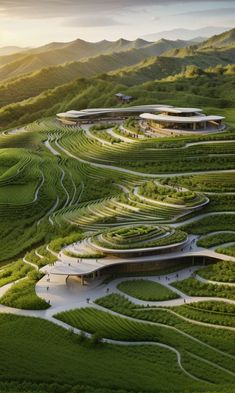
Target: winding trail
50, 148
30, 263
64, 188
199, 278
39, 188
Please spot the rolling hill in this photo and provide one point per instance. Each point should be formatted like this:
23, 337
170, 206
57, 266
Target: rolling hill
32, 84
9, 50
64, 86
221, 40
79, 50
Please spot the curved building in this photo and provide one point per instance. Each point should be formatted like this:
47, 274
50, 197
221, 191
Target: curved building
182, 120
163, 119
74, 117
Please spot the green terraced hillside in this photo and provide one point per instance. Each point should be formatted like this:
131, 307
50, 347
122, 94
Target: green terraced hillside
117, 242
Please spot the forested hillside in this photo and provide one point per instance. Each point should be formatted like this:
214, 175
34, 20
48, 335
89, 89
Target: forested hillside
125, 64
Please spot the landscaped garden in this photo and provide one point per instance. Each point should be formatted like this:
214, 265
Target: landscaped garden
138, 237
112, 190
223, 271
193, 287
22, 294
117, 257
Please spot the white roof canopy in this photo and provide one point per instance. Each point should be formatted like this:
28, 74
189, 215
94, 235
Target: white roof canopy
180, 119
180, 110
99, 111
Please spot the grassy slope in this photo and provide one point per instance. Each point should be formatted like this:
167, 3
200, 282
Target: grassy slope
131, 52
35, 347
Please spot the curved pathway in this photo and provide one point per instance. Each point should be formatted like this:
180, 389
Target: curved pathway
64, 298
199, 278
50, 148
39, 188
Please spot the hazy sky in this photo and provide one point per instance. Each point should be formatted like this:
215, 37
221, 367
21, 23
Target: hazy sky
35, 22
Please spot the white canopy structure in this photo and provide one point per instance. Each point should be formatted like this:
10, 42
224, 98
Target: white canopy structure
102, 113
182, 120
162, 118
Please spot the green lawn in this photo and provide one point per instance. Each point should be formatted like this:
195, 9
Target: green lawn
146, 290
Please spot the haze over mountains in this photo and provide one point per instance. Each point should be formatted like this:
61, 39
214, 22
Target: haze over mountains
48, 79
186, 34
79, 50
9, 50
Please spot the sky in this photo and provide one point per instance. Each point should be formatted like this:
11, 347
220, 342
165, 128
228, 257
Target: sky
36, 22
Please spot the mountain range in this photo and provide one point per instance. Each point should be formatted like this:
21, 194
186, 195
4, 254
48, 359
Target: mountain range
45, 79
53, 54
186, 34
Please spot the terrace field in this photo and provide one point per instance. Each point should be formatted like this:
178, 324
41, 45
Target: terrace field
61, 185
92, 195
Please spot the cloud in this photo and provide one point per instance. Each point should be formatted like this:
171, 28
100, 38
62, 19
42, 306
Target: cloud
226, 11
90, 21
65, 8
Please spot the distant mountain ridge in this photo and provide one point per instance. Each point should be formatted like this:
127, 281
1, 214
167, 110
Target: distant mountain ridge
60, 53
9, 50
117, 71
221, 40
186, 34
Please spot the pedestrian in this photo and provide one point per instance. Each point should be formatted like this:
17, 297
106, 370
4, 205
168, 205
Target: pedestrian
107, 290
47, 288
